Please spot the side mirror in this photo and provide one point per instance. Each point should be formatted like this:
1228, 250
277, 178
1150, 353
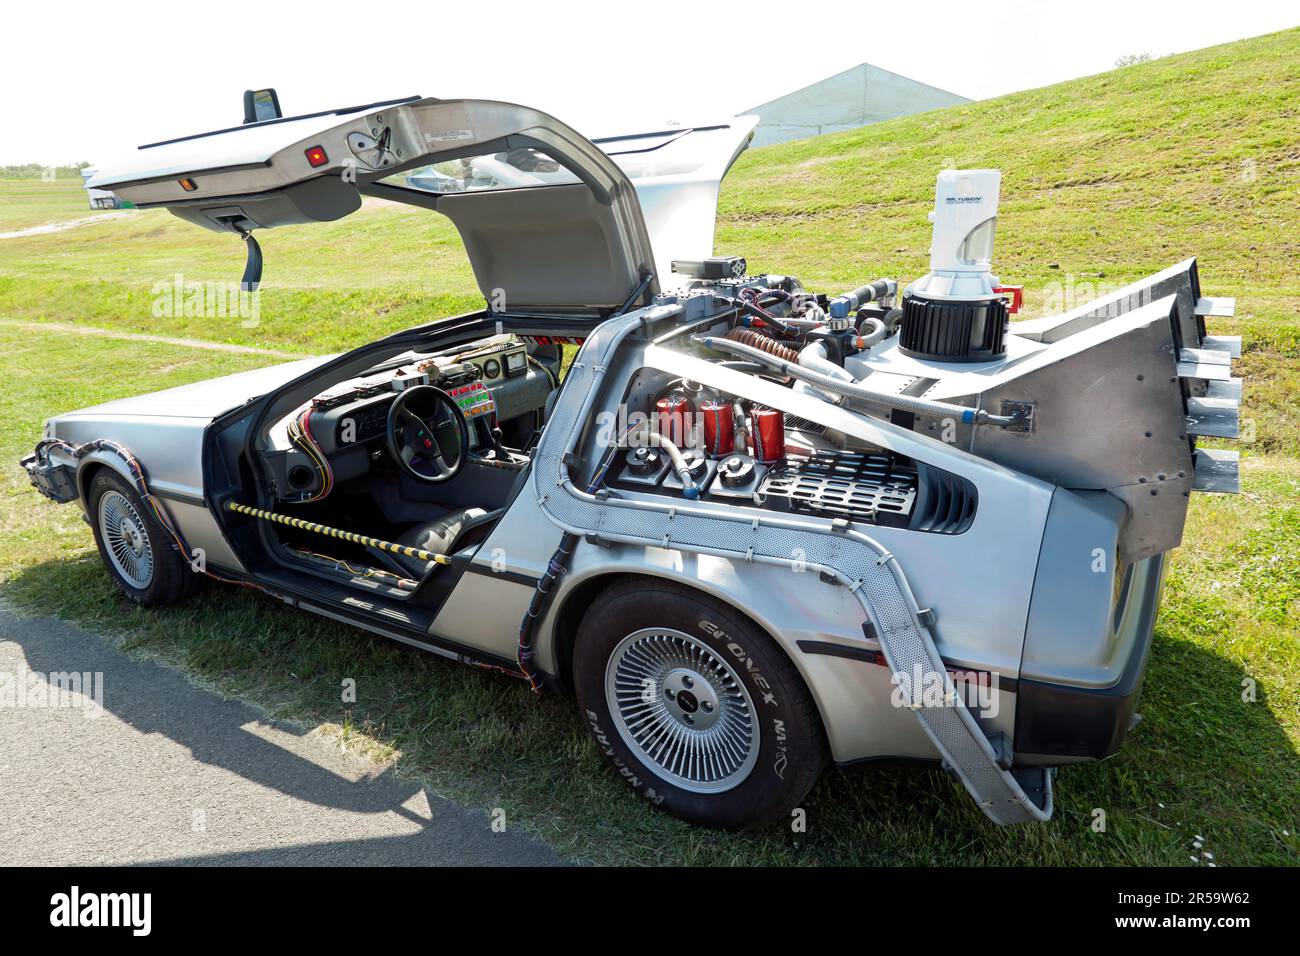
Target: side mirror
261, 105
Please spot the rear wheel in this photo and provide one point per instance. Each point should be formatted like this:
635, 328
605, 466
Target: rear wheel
137, 550
696, 707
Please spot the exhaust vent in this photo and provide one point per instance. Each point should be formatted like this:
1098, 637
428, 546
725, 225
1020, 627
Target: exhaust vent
876, 488
945, 503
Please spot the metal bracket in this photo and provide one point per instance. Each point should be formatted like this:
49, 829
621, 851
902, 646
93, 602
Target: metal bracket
1024, 411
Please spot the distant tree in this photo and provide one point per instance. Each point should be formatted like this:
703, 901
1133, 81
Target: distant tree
1128, 59
40, 171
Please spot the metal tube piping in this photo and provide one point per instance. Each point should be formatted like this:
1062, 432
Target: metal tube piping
902, 403
842, 305
644, 434
813, 356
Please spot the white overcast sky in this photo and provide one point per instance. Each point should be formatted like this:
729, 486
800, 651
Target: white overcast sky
90, 81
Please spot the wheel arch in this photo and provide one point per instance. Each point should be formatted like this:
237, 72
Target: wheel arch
578, 598
90, 466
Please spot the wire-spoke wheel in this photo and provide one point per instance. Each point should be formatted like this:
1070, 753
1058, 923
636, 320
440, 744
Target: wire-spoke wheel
683, 708
136, 549
697, 708
128, 543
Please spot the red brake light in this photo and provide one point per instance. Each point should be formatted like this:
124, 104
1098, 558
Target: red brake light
316, 156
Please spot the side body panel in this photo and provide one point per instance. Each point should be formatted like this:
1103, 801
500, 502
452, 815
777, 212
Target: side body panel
978, 584
171, 452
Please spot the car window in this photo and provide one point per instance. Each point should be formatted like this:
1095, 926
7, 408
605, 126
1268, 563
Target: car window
513, 169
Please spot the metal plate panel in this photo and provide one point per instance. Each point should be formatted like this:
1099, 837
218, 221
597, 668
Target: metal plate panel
1106, 417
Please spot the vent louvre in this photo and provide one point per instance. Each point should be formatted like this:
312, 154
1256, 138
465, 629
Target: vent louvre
945, 503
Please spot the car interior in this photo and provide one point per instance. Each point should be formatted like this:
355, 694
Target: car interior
417, 457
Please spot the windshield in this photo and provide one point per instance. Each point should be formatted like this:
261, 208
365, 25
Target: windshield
515, 169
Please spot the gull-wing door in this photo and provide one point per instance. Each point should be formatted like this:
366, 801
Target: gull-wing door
677, 173
548, 219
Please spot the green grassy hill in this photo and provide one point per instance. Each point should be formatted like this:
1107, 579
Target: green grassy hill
1105, 179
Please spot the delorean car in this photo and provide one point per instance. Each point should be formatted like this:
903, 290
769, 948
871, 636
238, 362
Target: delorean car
752, 528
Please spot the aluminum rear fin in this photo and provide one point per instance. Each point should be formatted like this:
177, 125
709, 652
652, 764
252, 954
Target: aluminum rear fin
1228, 389
1217, 471
1225, 343
1206, 371
1221, 307
1213, 417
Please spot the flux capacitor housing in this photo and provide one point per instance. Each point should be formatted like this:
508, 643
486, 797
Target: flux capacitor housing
956, 312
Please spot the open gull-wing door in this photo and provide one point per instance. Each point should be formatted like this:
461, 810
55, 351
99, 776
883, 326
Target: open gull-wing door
677, 173
581, 242
549, 219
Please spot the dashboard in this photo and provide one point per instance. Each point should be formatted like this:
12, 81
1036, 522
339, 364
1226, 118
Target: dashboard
492, 382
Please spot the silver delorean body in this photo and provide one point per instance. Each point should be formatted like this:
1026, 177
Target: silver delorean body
751, 527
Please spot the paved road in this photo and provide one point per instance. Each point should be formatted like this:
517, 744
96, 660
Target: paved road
168, 772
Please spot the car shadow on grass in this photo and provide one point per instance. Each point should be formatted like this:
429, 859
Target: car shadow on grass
1202, 763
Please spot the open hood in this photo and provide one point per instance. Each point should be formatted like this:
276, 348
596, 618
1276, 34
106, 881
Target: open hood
549, 219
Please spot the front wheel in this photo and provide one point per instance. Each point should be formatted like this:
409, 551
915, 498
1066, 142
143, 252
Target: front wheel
135, 547
696, 707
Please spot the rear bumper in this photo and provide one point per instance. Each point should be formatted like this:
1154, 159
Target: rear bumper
1056, 720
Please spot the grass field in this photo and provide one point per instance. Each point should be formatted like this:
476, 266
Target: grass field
1104, 179
37, 202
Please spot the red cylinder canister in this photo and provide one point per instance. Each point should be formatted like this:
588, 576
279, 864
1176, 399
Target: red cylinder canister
719, 428
767, 426
671, 416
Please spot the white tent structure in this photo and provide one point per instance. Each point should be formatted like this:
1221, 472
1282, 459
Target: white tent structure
99, 198
861, 95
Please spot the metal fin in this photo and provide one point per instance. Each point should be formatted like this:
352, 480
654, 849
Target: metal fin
1207, 371
1216, 471
1205, 356
1224, 307
1231, 388
1213, 417
1223, 343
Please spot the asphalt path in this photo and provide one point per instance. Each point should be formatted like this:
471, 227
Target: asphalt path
162, 771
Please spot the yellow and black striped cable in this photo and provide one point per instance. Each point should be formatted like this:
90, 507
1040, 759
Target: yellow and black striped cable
417, 553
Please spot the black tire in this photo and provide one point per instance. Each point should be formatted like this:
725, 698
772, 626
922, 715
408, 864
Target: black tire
791, 750
170, 576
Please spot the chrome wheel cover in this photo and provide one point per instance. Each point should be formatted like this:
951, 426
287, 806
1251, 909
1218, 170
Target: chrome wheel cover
682, 709
126, 539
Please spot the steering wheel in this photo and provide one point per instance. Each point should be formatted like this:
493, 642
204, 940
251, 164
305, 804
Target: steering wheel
427, 434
